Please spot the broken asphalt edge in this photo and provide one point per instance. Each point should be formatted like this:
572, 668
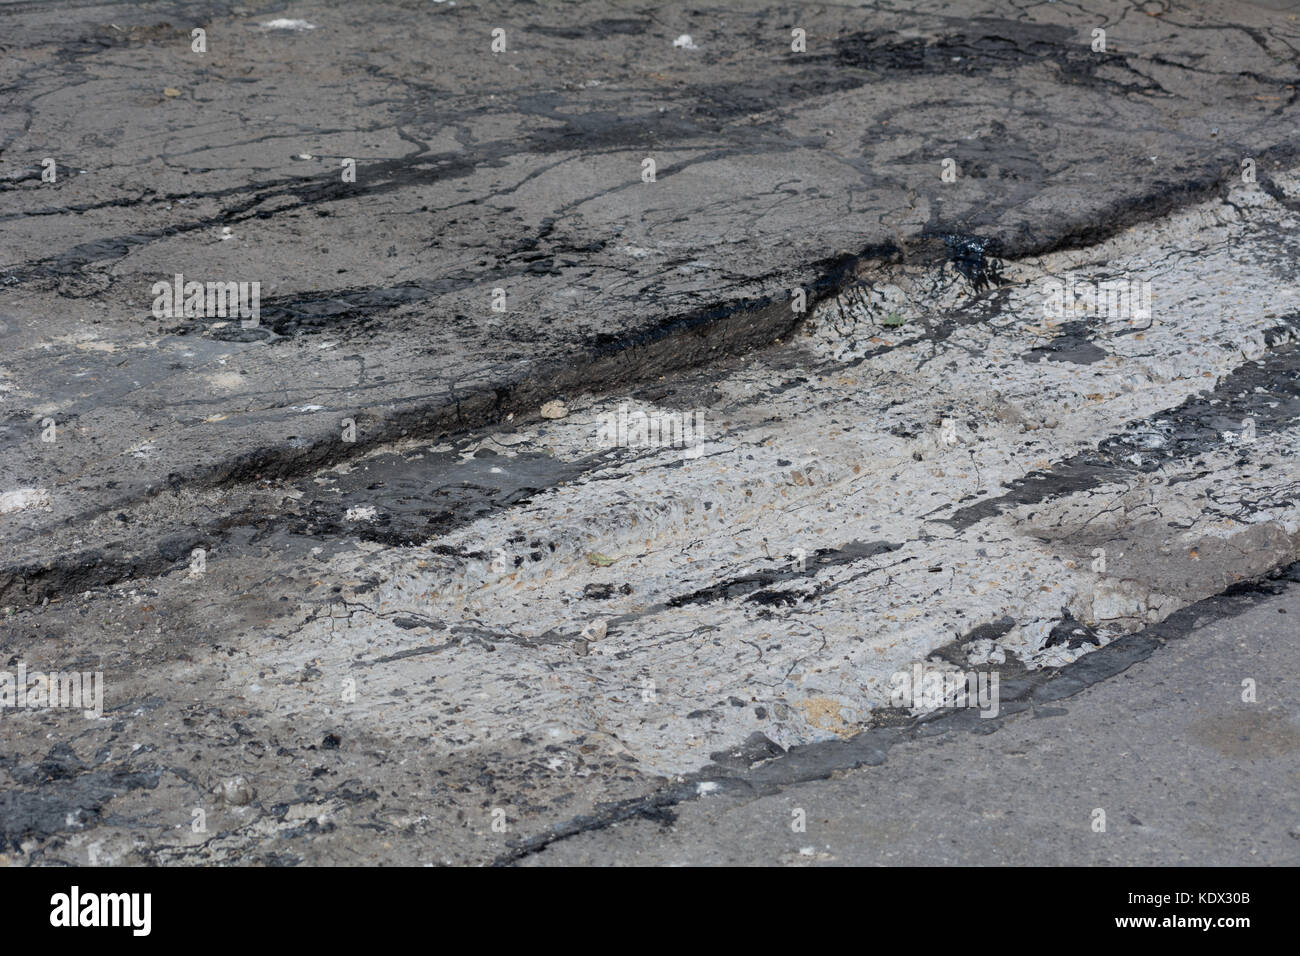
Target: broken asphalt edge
819, 761
722, 329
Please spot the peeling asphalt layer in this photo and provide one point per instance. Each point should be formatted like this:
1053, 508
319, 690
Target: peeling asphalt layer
1013, 792
491, 626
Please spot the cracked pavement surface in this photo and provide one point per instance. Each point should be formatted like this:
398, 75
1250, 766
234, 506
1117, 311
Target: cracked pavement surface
1028, 794
651, 533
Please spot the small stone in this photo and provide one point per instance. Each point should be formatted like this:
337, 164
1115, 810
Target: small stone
237, 792
556, 409
171, 91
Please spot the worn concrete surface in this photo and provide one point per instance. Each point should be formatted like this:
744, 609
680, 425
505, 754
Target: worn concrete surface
488, 625
1186, 771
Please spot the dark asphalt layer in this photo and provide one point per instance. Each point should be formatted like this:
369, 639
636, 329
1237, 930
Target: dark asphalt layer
523, 171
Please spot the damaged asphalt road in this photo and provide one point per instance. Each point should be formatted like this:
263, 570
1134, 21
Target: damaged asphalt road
1163, 750
652, 395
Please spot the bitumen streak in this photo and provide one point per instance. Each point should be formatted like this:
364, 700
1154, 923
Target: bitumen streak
1265, 392
756, 587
